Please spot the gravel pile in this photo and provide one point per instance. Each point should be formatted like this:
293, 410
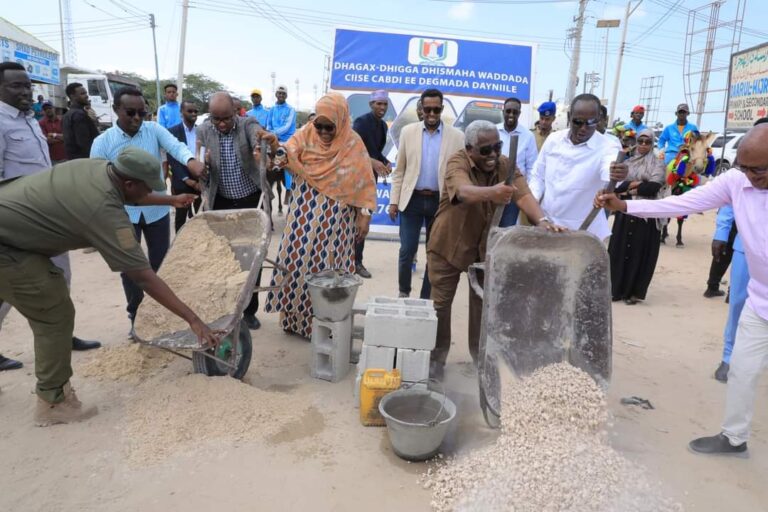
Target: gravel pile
551, 455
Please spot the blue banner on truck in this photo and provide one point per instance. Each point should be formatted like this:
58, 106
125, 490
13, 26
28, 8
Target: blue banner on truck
412, 62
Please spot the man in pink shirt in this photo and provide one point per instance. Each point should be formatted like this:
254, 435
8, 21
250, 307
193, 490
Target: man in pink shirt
746, 189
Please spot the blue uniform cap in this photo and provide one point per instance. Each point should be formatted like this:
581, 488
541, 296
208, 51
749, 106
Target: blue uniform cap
548, 108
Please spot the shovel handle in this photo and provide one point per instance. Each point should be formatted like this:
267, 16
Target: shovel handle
611, 187
474, 282
511, 166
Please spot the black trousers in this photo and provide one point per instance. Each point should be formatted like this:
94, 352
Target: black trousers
252, 201
718, 268
158, 237
182, 214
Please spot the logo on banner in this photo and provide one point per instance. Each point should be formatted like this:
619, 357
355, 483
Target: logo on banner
435, 52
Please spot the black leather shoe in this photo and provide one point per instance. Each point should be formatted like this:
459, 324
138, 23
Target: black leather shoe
78, 344
710, 293
251, 321
9, 364
717, 445
362, 271
721, 374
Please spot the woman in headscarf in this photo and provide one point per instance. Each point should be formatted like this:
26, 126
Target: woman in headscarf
333, 193
634, 245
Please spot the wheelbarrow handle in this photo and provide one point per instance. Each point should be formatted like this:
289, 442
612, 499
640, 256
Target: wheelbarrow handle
286, 282
474, 282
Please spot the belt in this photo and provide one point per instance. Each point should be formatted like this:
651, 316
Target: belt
426, 192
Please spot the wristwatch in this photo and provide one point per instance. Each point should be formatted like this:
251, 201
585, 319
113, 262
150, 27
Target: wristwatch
365, 212
544, 219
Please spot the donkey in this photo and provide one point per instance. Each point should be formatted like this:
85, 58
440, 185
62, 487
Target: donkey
693, 159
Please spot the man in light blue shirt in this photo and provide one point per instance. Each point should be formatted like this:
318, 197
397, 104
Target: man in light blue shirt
282, 116
672, 137
258, 111
151, 221
169, 114
526, 150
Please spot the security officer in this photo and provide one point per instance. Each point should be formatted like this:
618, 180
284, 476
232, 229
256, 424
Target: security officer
547, 111
75, 205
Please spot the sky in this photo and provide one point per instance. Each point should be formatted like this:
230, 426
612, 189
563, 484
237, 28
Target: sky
241, 42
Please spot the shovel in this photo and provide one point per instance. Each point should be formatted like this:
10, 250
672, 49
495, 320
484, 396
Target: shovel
611, 187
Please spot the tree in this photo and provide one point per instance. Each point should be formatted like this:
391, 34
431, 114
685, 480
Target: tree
197, 88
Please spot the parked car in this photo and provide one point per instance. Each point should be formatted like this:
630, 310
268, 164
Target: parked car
724, 160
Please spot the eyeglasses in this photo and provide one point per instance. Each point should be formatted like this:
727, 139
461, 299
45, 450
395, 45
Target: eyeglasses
578, 123
683, 112
322, 127
753, 170
511, 111
486, 150
644, 142
217, 120
432, 110
132, 112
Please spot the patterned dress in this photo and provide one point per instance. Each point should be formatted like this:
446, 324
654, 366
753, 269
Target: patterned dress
319, 234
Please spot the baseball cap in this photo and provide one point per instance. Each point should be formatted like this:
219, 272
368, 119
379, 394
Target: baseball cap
638, 108
256, 91
136, 163
282, 88
47, 104
683, 106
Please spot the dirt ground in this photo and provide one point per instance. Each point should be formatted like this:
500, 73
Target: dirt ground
665, 350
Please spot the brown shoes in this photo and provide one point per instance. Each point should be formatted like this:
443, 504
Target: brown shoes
69, 410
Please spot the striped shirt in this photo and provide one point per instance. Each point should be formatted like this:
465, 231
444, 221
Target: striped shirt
151, 137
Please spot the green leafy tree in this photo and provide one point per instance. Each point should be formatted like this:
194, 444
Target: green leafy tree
197, 88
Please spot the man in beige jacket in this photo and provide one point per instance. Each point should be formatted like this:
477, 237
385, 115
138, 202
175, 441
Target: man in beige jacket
424, 149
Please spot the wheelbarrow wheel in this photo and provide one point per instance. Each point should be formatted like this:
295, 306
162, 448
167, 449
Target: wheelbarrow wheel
491, 418
212, 368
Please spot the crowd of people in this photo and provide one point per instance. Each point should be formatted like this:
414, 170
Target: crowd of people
105, 191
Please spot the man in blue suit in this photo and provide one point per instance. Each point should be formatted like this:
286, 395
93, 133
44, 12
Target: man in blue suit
182, 182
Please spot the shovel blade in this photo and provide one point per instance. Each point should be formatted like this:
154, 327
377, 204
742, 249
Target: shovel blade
547, 300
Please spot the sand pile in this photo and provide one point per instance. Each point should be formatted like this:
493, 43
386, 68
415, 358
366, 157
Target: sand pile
178, 415
551, 455
202, 270
131, 362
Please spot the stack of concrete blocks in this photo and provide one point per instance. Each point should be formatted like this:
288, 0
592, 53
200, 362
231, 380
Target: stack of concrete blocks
399, 333
331, 348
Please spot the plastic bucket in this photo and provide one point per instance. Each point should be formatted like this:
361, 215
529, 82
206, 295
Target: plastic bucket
417, 421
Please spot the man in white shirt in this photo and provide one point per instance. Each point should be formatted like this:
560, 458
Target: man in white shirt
573, 165
526, 150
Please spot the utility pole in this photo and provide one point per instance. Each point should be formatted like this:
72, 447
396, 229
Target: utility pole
157, 65
297, 94
608, 25
273, 75
61, 29
573, 75
182, 45
627, 14
314, 88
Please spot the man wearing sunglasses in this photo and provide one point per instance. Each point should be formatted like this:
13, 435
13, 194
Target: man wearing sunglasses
424, 149
573, 164
673, 135
151, 222
526, 149
473, 187
745, 188
182, 182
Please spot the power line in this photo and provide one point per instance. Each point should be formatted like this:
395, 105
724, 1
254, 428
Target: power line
657, 24
83, 22
283, 26
101, 10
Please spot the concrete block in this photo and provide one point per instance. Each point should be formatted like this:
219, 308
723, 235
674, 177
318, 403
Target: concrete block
376, 357
401, 327
331, 347
401, 301
413, 364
